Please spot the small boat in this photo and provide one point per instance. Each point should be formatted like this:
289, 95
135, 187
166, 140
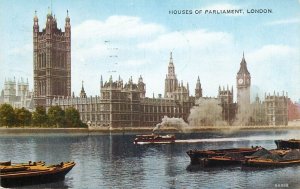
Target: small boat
154, 138
20, 175
197, 156
284, 144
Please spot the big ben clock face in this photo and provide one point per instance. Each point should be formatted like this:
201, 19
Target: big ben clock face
240, 81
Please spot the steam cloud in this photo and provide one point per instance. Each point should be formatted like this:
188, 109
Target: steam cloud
177, 123
245, 110
207, 112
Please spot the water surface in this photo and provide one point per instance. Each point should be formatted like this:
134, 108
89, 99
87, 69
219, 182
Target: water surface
113, 161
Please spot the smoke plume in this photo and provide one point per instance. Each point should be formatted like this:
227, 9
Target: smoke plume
176, 123
244, 109
207, 112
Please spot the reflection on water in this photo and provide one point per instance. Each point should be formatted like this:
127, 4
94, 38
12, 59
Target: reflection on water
113, 161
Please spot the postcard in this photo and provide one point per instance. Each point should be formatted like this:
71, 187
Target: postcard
140, 94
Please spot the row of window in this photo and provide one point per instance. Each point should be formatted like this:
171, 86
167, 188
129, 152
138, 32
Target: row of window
119, 117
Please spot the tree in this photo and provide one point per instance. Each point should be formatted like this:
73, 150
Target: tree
73, 118
39, 116
56, 116
23, 116
7, 115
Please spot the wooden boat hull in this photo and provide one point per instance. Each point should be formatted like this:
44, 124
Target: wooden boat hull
31, 177
284, 144
269, 163
221, 161
197, 156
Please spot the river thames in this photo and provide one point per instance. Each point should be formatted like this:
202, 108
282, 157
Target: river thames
113, 161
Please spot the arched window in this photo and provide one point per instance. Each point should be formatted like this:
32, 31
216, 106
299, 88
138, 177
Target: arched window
44, 60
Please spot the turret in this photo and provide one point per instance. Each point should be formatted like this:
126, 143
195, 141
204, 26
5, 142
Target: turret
68, 25
142, 87
198, 89
82, 92
49, 22
101, 82
35, 23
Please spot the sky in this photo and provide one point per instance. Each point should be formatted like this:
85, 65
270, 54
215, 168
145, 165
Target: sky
135, 37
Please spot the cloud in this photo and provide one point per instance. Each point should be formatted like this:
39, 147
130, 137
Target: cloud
188, 39
272, 52
23, 50
276, 67
284, 22
116, 27
134, 62
96, 42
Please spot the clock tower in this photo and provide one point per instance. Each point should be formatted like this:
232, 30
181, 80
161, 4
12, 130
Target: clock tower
243, 82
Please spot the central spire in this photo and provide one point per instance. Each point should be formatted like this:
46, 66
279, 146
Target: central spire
171, 67
171, 59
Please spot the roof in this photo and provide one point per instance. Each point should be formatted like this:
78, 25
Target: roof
243, 67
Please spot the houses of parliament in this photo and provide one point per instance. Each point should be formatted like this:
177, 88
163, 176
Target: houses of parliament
124, 104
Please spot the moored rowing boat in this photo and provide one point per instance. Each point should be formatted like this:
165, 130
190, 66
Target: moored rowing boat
35, 174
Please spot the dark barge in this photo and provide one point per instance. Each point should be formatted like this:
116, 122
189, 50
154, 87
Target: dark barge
269, 163
285, 144
198, 156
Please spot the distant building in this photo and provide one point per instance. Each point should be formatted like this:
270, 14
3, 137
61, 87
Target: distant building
17, 94
276, 108
293, 110
51, 60
228, 106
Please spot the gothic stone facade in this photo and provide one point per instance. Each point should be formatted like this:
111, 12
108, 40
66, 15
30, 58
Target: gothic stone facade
228, 106
276, 108
123, 105
51, 60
